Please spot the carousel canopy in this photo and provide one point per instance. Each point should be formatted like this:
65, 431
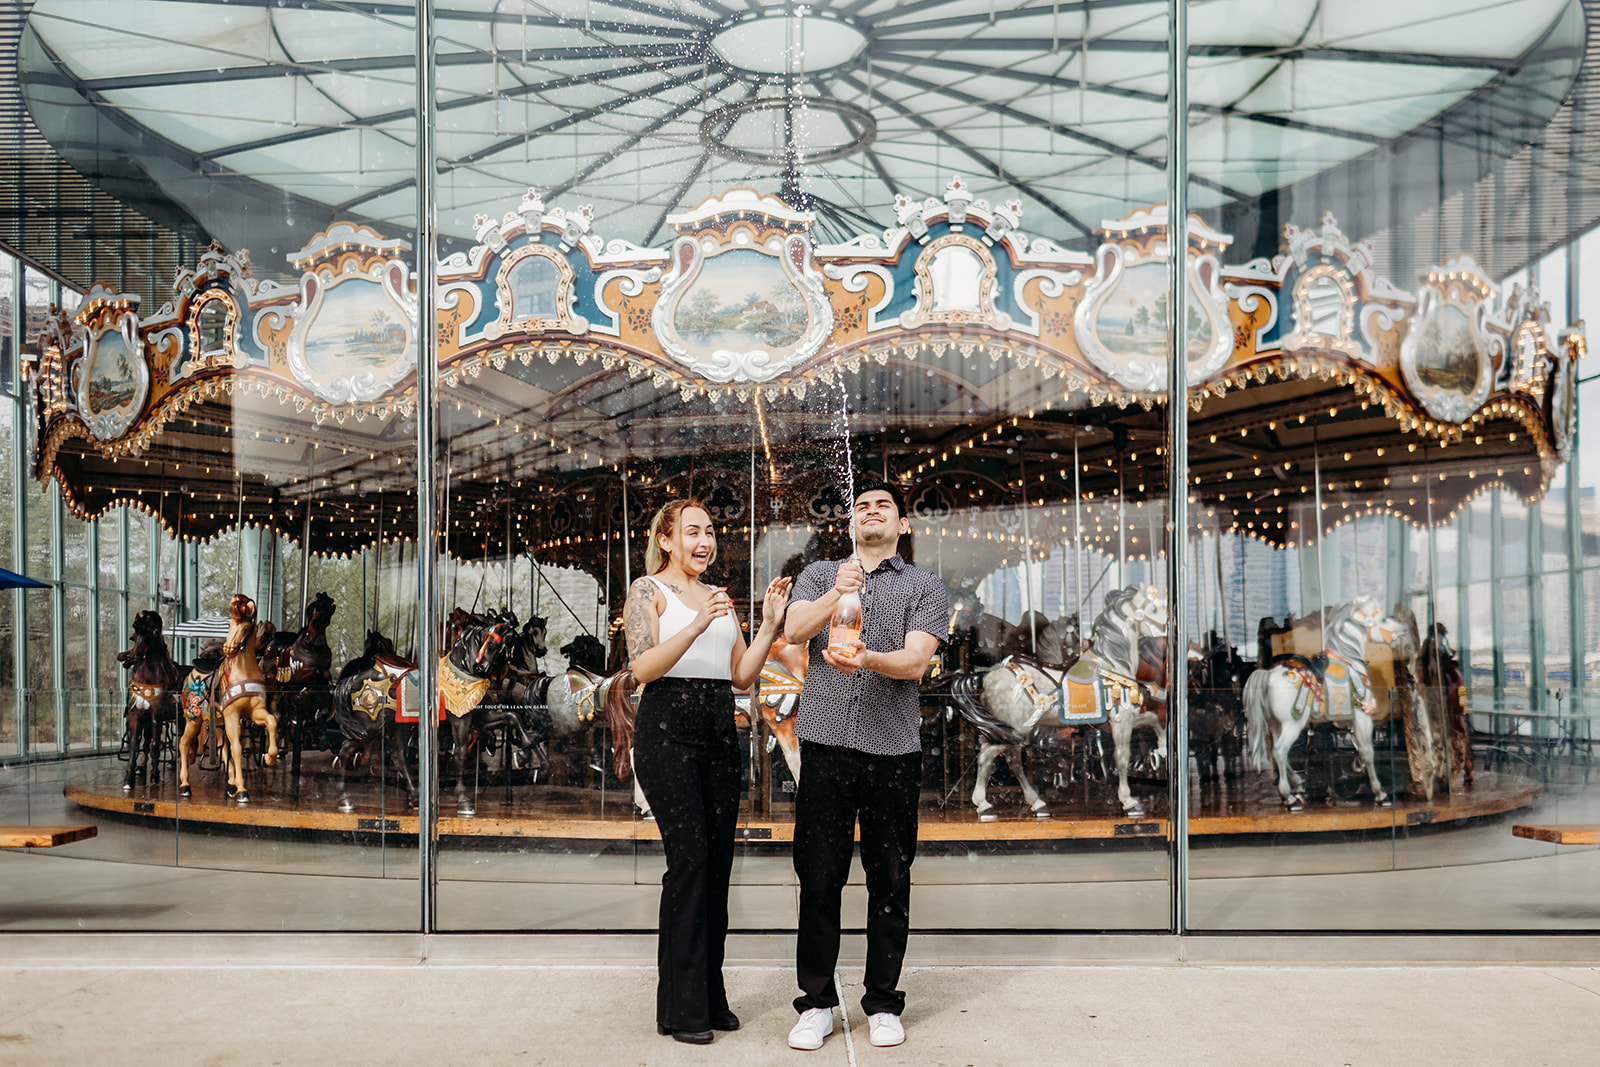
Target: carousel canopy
983, 367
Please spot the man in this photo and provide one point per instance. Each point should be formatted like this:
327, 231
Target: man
861, 758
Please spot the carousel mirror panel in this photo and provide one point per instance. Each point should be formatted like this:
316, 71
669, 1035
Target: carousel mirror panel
215, 493
755, 261
1389, 508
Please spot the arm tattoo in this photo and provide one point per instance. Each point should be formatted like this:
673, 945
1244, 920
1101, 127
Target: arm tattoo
637, 615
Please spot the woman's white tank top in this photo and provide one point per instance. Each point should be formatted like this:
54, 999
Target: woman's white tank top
711, 655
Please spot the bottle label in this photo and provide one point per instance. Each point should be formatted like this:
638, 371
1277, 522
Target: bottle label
842, 638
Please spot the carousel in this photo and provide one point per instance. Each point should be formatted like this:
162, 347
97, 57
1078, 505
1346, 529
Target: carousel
1013, 387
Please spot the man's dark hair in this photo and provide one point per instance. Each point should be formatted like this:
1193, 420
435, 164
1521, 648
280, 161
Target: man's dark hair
868, 485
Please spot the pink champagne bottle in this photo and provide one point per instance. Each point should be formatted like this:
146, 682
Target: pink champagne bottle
845, 629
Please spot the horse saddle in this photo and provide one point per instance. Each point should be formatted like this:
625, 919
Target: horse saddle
249, 687
1082, 699
396, 690
585, 689
196, 696
295, 659
780, 690
459, 693
144, 696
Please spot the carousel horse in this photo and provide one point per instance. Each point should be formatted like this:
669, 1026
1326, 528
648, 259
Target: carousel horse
152, 695
1119, 680
620, 716
1334, 686
541, 708
977, 637
781, 679
301, 665
1439, 670
1424, 716
477, 649
369, 704
198, 712
237, 690
1216, 710
1059, 642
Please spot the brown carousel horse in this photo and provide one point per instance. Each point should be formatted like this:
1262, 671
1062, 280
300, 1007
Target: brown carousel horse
152, 695
301, 665
237, 690
1440, 670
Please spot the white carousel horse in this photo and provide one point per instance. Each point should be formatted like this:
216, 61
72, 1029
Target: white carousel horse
1017, 695
1283, 698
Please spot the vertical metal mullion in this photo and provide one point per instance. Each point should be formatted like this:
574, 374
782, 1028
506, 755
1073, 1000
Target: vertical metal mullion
124, 599
1574, 516
92, 637
427, 535
1177, 460
58, 611
19, 518
1536, 670
1497, 599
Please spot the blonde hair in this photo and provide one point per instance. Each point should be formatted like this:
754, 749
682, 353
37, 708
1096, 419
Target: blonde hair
666, 521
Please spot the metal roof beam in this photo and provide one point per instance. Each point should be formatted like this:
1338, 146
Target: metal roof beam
989, 165
1144, 96
451, 14
532, 89
1235, 51
1065, 131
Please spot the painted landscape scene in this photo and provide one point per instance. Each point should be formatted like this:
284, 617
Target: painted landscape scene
1133, 319
357, 328
1447, 354
741, 300
112, 381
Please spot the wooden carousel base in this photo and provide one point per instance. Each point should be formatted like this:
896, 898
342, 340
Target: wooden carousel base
568, 813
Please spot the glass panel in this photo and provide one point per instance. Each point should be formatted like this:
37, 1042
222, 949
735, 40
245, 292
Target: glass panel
230, 433
141, 550
36, 502
728, 322
74, 549
9, 459
110, 548
1513, 535
1400, 448
8, 349
77, 669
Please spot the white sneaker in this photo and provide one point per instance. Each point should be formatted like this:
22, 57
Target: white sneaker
813, 1028
886, 1029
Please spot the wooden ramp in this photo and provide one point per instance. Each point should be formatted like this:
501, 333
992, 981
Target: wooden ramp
1566, 834
43, 836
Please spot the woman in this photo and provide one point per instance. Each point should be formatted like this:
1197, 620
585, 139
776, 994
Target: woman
687, 650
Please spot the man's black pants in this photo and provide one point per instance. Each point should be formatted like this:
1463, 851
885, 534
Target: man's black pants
838, 786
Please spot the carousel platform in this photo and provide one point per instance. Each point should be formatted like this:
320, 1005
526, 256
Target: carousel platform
565, 813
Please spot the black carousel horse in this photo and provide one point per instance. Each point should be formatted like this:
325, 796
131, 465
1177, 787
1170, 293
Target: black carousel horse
479, 648
1216, 710
152, 695
301, 665
365, 699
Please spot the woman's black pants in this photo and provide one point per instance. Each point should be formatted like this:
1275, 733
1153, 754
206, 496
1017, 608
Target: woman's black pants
687, 758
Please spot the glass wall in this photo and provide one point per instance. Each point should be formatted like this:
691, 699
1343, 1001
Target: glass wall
1432, 555
754, 258
220, 471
